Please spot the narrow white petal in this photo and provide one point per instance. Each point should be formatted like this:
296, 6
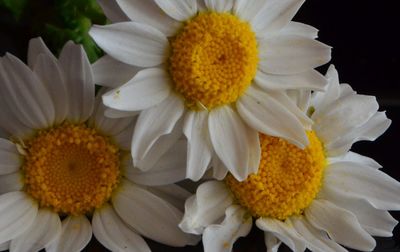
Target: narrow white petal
220, 237
110, 72
233, 142
148, 12
150, 215
148, 88
4, 246
292, 54
124, 138
11, 182
302, 98
356, 158
35, 48
269, 116
132, 43
341, 225
364, 182
271, 242
300, 29
17, 214
311, 79
247, 10
113, 113
179, 10
199, 150
323, 99
114, 234
79, 79
153, 123
206, 207
11, 161
112, 11
172, 193
219, 5
75, 235
219, 170
44, 230
284, 231
10, 123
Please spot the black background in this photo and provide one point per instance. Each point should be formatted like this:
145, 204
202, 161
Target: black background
366, 52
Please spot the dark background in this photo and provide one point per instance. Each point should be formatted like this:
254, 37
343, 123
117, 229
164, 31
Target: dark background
366, 52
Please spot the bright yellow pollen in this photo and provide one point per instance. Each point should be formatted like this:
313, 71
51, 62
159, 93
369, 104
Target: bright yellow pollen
214, 59
71, 169
288, 179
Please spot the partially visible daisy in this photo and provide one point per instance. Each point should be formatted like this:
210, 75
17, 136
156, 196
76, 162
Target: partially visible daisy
219, 66
318, 198
63, 164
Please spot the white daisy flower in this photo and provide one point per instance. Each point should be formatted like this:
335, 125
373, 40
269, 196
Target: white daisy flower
63, 161
220, 66
316, 198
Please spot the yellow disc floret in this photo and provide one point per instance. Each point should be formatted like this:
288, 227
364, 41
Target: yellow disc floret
71, 169
287, 181
214, 59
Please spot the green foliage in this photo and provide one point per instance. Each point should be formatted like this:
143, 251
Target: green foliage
16, 7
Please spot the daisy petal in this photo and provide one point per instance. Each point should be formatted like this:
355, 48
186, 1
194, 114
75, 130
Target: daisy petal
124, 138
221, 237
199, 150
267, 115
10, 124
179, 10
364, 182
10, 159
4, 246
112, 11
17, 214
79, 79
113, 113
341, 225
148, 88
232, 141
11, 182
173, 194
300, 29
148, 12
219, 5
321, 100
302, 98
356, 158
114, 234
206, 207
110, 72
75, 235
132, 43
271, 242
284, 231
150, 215
37, 47
291, 54
44, 230
219, 169
247, 10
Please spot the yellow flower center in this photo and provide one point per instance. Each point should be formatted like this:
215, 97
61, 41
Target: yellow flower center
214, 59
288, 179
71, 169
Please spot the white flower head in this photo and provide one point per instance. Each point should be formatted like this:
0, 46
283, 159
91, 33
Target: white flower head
320, 197
218, 69
63, 163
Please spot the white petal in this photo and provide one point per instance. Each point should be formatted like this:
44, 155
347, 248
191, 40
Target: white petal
132, 43
179, 10
113, 113
219, 170
271, 242
300, 29
323, 99
375, 222
234, 142
247, 10
44, 230
10, 160
206, 207
75, 235
341, 225
302, 98
79, 79
267, 115
221, 237
311, 79
4, 246
148, 12
173, 194
17, 214
148, 88
364, 182
356, 158
24, 94
150, 215
317, 240
11, 182
170, 168
114, 234
284, 231
10, 123
153, 123
199, 150
219, 5
291, 54
274, 15
124, 138
110, 72
49, 72
112, 11
35, 48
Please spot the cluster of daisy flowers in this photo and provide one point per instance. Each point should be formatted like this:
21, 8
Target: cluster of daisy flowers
220, 92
